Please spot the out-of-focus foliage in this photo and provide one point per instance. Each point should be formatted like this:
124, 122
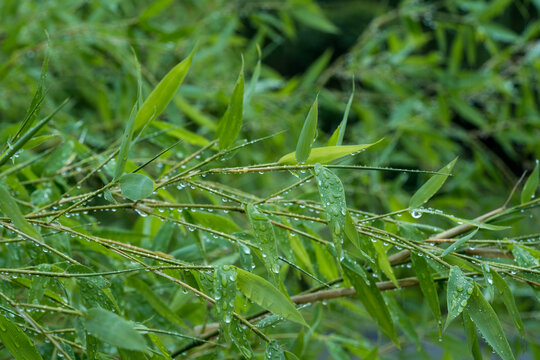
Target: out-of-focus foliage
141, 243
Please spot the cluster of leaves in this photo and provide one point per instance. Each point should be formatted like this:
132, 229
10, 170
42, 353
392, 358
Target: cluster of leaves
151, 238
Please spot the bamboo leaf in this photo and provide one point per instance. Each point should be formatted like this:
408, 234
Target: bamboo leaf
507, 297
483, 315
267, 296
337, 137
370, 296
333, 200
530, 186
136, 186
225, 294
324, 155
266, 239
458, 243
458, 293
10, 208
274, 351
429, 189
122, 157
427, 285
384, 264
472, 337
308, 134
230, 124
16, 341
162, 94
113, 329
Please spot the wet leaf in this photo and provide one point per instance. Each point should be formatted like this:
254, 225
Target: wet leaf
324, 155
431, 186
459, 242
267, 296
230, 124
273, 351
225, 295
16, 341
10, 208
136, 186
530, 185
458, 293
337, 137
266, 239
427, 285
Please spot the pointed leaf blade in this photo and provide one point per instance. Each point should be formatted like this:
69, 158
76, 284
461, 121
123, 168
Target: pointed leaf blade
16, 341
431, 186
326, 154
267, 296
308, 133
458, 293
427, 285
337, 137
230, 124
10, 208
531, 185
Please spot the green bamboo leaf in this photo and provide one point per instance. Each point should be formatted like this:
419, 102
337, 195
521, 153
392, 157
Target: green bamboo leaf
113, 329
156, 340
215, 221
333, 201
136, 186
384, 264
458, 293
458, 243
483, 315
493, 278
337, 137
274, 351
16, 341
230, 124
267, 296
430, 187
427, 285
225, 295
324, 155
480, 225
362, 242
530, 186
266, 239
162, 94
472, 337
122, 157
10, 208
308, 134
180, 133
370, 296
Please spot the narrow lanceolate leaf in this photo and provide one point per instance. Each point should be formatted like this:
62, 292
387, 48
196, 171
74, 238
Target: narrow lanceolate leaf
267, 296
113, 329
307, 135
125, 145
324, 155
230, 124
384, 264
427, 285
337, 137
458, 293
530, 185
370, 296
274, 351
362, 242
333, 201
16, 341
225, 295
472, 337
136, 186
10, 208
162, 94
458, 243
266, 239
483, 315
493, 278
431, 186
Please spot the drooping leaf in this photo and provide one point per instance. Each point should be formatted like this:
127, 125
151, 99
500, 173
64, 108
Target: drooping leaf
266, 239
483, 315
427, 285
267, 296
333, 201
180, 133
225, 295
16, 341
458, 293
307, 135
370, 296
113, 329
230, 124
324, 155
530, 185
384, 264
361, 241
10, 208
274, 351
472, 337
162, 94
459, 242
136, 186
431, 186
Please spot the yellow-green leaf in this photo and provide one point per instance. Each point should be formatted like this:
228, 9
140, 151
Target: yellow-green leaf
162, 94
230, 124
324, 155
10, 208
530, 186
308, 134
431, 186
267, 296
